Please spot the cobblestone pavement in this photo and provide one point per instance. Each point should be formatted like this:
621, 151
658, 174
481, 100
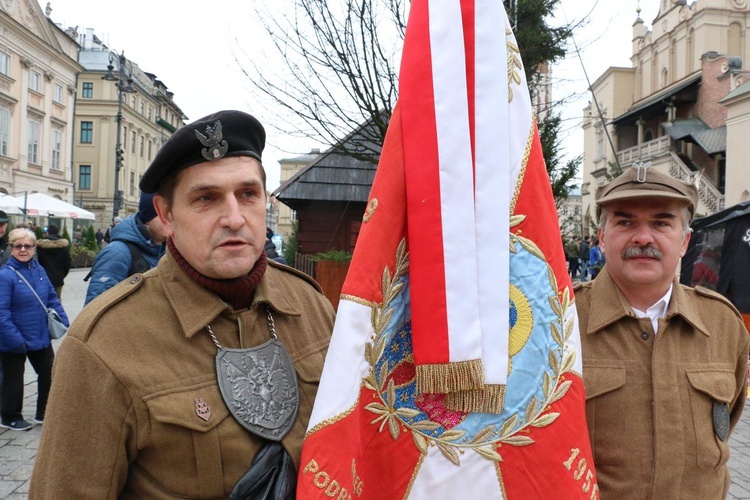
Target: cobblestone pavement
18, 449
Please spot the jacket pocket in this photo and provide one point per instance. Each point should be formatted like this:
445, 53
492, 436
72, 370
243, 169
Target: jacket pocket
706, 388
605, 404
184, 454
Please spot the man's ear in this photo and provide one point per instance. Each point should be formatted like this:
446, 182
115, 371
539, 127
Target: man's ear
164, 214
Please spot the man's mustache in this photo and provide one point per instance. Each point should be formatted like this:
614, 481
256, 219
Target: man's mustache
647, 251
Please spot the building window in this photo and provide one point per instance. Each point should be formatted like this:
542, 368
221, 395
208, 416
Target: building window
142, 109
88, 90
150, 150
34, 134
124, 138
132, 183
132, 102
4, 63
58, 94
84, 177
87, 132
132, 142
599, 143
293, 216
4, 130
140, 148
57, 138
35, 81
149, 112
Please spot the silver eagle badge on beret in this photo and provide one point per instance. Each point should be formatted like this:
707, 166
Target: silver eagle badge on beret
216, 146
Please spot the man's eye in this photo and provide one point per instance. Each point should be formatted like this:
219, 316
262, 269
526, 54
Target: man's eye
205, 197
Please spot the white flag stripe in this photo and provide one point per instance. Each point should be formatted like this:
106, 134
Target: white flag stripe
345, 366
456, 180
522, 119
439, 479
493, 188
574, 341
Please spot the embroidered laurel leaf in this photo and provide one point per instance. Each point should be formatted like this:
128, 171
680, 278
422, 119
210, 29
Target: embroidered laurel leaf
531, 408
378, 351
566, 298
513, 248
396, 289
545, 419
370, 383
382, 376
560, 391
488, 452
421, 442
394, 428
449, 452
554, 363
516, 220
568, 329
570, 359
552, 277
518, 441
531, 247
452, 435
555, 305
425, 426
482, 435
556, 334
385, 281
378, 408
391, 394
407, 413
547, 385
508, 426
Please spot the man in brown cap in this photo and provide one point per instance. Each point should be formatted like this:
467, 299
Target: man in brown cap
197, 378
663, 364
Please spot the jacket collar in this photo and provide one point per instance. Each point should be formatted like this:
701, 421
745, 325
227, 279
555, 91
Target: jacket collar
609, 305
196, 307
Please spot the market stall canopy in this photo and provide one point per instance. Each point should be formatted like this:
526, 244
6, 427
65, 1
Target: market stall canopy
10, 205
41, 204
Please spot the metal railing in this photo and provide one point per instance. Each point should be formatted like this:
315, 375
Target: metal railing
304, 263
707, 192
645, 151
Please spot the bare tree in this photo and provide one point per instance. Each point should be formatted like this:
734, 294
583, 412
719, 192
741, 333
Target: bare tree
339, 68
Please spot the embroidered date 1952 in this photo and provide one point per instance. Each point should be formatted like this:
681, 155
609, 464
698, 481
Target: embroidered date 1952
582, 472
331, 487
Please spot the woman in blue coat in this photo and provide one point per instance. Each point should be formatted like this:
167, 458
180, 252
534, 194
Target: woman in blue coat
23, 329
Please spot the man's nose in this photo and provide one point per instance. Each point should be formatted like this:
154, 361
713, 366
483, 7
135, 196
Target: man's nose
232, 218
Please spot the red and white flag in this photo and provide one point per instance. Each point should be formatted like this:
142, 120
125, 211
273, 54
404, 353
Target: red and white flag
454, 369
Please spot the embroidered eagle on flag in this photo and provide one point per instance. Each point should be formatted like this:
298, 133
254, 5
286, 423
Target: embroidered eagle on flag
454, 370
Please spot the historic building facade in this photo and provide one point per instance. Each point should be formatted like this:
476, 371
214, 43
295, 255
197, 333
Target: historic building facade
681, 105
38, 68
149, 117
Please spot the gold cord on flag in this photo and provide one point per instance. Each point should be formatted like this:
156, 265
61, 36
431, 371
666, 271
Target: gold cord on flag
450, 377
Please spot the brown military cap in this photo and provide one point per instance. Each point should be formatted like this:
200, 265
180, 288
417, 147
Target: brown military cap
644, 182
220, 135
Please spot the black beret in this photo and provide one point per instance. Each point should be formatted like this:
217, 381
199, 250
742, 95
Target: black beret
216, 136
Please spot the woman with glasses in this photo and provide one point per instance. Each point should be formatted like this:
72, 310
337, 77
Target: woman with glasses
23, 329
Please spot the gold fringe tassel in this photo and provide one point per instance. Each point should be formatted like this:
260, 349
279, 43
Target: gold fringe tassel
489, 399
450, 377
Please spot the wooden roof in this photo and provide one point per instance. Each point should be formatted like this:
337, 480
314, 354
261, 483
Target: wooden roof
342, 173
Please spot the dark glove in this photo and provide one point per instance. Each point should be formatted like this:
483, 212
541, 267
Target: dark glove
271, 476
21, 349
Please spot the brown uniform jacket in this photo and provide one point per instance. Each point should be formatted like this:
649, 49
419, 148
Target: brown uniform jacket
649, 399
121, 420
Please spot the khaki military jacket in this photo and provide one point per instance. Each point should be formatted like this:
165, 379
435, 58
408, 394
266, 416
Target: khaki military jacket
650, 398
123, 420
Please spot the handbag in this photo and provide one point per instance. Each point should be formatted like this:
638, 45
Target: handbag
55, 326
272, 476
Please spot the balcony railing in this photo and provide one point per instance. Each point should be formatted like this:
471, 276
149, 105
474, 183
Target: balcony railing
707, 192
645, 151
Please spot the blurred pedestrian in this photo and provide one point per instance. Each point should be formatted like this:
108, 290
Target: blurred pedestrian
23, 329
99, 237
53, 253
4, 248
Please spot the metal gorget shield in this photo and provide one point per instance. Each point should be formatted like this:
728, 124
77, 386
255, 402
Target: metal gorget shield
259, 386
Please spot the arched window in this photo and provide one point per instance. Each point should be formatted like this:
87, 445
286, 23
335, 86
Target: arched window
734, 44
664, 77
649, 136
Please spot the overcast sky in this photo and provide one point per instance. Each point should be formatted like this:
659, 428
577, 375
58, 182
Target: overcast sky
188, 45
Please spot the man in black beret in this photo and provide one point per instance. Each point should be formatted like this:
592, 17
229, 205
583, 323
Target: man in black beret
175, 382
664, 365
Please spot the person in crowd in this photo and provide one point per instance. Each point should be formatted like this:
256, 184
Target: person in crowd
4, 248
585, 251
164, 381
135, 247
573, 251
596, 258
99, 235
664, 365
23, 329
270, 248
108, 235
53, 254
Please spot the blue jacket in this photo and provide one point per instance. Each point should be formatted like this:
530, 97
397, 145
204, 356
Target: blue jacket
22, 318
112, 265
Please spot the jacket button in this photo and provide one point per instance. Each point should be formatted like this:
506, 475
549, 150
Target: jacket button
135, 280
644, 335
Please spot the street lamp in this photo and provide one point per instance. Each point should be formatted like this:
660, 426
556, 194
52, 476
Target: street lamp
124, 82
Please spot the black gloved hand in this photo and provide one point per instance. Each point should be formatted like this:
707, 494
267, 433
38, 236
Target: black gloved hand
21, 349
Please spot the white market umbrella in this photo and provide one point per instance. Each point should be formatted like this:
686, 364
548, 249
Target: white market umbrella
41, 204
10, 205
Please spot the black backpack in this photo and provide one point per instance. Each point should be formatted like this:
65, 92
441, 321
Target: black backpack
138, 263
